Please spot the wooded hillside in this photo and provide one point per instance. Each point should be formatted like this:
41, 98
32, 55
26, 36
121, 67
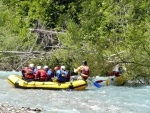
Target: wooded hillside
68, 31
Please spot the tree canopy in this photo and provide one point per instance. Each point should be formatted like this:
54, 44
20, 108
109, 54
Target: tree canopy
98, 31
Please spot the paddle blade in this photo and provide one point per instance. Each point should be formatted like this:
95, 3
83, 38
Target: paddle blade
96, 84
99, 81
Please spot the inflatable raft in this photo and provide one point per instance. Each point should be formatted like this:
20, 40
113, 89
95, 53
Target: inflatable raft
112, 80
18, 82
115, 81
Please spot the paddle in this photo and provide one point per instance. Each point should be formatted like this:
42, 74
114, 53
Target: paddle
96, 84
99, 81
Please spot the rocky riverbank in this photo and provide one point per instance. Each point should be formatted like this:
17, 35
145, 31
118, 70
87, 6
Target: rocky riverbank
7, 108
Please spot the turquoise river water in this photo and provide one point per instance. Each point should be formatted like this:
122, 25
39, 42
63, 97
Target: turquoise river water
107, 99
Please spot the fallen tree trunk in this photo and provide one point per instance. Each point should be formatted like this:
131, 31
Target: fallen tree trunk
22, 52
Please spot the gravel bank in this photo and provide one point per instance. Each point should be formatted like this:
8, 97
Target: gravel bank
7, 108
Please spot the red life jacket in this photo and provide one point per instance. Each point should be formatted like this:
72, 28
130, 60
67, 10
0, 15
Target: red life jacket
37, 75
85, 70
112, 73
42, 75
84, 77
29, 73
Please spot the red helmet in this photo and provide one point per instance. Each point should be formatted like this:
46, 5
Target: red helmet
56, 68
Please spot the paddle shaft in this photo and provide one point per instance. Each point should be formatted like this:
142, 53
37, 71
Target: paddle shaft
95, 84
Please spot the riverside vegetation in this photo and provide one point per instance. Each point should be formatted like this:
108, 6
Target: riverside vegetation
68, 31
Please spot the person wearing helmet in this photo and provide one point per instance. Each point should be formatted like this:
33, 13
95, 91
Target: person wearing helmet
83, 70
42, 74
49, 72
36, 69
65, 73
115, 71
54, 77
24, 70
62, 74
31, 66
28, 72
57, 67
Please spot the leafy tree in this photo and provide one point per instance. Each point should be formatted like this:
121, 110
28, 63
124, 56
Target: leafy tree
95, 30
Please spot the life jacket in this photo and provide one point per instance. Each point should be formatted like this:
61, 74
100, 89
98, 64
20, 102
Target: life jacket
85, 70
50, 73
112, 73
60, 77
29, 74
42, 75
84, 76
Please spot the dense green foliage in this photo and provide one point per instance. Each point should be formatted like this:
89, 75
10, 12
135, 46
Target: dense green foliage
94, 30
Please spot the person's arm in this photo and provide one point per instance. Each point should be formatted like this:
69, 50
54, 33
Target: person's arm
23, 73
79, 69
37, 75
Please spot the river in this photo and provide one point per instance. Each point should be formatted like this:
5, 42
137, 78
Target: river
107, 99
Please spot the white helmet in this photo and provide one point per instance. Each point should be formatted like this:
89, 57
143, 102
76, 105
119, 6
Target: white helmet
115, 69
63, 67
38, 67
45, 67
31, 65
